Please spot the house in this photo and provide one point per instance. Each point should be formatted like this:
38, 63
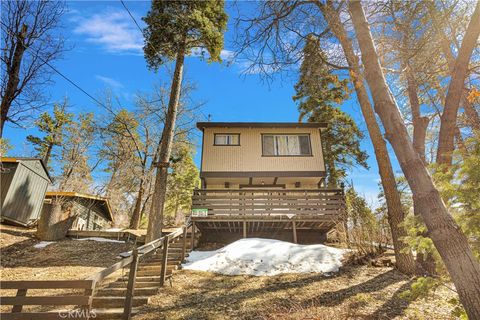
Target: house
264, 179
92, 212
24, 182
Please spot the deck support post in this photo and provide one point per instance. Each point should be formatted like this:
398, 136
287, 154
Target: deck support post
163, 271
127, 308
193, 235
244, 228
294, 230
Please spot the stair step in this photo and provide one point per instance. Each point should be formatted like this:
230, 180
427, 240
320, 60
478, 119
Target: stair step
159, 263
156, 267
110, 313
117, 302
151, 273
120, 292
138, 284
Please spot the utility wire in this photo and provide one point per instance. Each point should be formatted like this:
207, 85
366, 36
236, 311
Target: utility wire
133, 18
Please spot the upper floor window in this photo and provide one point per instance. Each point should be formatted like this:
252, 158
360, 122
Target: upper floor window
226, 139
286, 145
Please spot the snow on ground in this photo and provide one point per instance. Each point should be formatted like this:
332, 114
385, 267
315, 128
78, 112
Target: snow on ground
266, 257
100, 239
43, 244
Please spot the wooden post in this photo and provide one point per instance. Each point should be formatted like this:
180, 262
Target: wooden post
127, 308
244, 228
163, 271
20, 293
184, 248
294, 229
193, 235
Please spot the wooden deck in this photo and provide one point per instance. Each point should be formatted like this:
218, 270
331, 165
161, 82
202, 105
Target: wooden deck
251, 211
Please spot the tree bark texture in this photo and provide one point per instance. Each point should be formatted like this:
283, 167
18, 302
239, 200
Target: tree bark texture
456, 90
395, 215
472, 116
137, 210
54, 225
155, 221
446, 235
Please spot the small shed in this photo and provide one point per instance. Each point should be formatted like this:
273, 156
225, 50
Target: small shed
92, 212
23, 183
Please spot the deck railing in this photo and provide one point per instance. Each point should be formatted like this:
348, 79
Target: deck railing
269, 202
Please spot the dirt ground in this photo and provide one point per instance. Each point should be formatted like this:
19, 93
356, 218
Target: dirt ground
357, 292
66, 259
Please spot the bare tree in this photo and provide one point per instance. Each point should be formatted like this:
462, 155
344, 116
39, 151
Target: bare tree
29, 43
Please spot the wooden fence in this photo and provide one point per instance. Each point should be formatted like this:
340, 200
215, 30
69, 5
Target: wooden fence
84, 301
269, 202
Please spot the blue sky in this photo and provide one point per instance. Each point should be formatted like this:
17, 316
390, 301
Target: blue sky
107, 53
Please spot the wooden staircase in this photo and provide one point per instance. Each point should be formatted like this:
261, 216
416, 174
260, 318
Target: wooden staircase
109, 300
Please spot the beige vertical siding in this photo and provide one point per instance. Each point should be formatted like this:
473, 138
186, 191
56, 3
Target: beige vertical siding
248, 156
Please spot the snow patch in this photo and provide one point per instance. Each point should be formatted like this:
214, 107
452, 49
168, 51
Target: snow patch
43, 244
266, 257
100, 239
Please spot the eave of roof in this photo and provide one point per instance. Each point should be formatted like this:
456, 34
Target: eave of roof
69, 194
203, 125
18, 159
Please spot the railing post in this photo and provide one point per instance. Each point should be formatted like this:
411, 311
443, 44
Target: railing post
127, 309
88, 308
294, 229
20, 293
184, 248
163, 271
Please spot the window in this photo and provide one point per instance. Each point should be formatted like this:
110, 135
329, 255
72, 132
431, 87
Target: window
229, 139
286, 145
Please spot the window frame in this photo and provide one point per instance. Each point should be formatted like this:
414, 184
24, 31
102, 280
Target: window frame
289, 134
225, 134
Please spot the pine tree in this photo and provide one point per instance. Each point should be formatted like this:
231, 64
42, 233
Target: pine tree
54, 129
319, 92
181, 182
173, 29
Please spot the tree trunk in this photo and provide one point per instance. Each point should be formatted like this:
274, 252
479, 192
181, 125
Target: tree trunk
472, 116
446, 235
456, 90
53, 225
395, 215
155, 221
137, 211
13, 71
420, 123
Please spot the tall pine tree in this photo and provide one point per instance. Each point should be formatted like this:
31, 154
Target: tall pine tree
173, 29
319, 92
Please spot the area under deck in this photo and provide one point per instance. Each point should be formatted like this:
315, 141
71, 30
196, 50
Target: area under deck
267, 212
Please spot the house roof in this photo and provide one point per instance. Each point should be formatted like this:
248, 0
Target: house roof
203, 125
100, 202
20, 159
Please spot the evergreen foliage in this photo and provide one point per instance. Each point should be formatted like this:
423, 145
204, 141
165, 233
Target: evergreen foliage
319, 93
53, 128
171, 24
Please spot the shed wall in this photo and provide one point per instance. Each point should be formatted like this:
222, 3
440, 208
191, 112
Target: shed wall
24, 199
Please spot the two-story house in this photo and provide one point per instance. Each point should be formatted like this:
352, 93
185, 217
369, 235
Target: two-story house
264, 179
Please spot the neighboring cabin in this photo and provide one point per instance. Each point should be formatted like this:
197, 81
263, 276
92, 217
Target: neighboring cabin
24, 182
92, 212
264, 179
